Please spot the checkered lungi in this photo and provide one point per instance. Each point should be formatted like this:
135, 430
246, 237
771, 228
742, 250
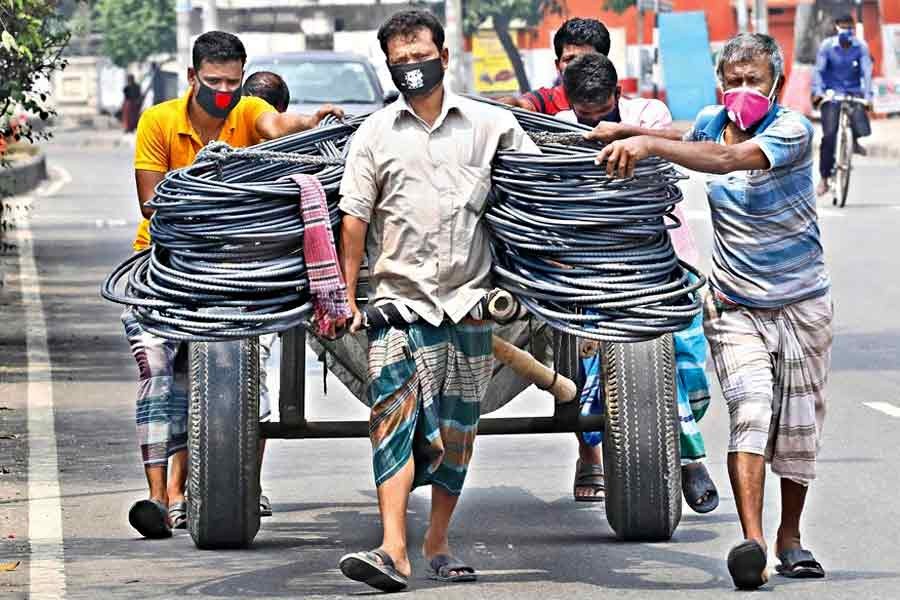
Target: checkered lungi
773, 365
424, 390
691, 385
162, 398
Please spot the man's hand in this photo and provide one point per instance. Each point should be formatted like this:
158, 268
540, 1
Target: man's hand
607, 131
356, 321
325, 110
622, 156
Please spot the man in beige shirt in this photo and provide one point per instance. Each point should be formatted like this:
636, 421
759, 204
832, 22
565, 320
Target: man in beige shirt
414, 191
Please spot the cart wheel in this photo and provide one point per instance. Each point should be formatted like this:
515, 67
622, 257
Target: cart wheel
223, 437
640, 450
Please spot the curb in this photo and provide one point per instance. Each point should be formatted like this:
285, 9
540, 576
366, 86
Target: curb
22, 177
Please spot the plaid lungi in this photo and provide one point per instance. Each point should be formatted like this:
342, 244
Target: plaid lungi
425, 388
773, 365
692, 389
162, 400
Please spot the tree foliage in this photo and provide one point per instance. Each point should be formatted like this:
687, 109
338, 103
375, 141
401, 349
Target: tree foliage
618, 6
32, 39
502, 13
134, 30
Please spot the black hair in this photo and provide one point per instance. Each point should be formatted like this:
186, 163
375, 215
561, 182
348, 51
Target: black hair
590, 78
406, 23
218, 47
270, 87
844, 18
582, 32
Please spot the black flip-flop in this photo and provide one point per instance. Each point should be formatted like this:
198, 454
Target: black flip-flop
441, 566
150, 518
588, 475
799, 563
695, 484
747, 565
375, 568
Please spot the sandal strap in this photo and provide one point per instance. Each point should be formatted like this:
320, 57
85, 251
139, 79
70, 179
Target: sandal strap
798, 557
443, 564
386, 559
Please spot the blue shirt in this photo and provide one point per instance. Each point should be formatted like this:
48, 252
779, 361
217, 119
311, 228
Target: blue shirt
767, 249
844, 70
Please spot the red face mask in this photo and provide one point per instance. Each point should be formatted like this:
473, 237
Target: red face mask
217, 104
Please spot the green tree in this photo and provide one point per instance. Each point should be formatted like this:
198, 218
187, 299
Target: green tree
32, 39
501, 13
619, 6
134, 30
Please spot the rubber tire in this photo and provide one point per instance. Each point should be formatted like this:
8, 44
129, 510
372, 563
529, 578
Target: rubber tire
223, 438
641, 451
845, 162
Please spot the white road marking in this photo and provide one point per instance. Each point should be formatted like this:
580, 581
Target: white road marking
46, 569
885, 407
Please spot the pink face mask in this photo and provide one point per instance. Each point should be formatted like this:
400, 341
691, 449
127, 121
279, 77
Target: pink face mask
747, 106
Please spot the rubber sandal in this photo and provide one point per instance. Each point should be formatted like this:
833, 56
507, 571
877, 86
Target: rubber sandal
265, 506
178, 515
695, 483
374, 568
441, 565
747, 565
799, 563
150, 518
589, 475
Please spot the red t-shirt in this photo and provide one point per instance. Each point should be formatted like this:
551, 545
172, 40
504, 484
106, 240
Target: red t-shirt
549, 100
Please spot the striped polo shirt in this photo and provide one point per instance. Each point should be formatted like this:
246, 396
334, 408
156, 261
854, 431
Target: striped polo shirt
767, 249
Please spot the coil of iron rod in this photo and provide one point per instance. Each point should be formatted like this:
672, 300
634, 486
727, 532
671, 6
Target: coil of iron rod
588, 254
227, 254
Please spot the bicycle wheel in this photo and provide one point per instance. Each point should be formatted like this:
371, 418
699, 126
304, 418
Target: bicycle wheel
844, 160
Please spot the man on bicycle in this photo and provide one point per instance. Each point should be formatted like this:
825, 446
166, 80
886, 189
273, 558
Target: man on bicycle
844, 67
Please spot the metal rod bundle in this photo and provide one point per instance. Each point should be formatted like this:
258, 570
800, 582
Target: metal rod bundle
227, 254
589, 254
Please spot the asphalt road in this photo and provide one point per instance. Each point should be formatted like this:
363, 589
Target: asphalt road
516, 523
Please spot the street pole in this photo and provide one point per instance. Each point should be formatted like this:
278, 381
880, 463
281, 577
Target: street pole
640, 45
741, 8
761, 16
454, 41
183, 40
210, 16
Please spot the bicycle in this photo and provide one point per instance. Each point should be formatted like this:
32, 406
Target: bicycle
843, 164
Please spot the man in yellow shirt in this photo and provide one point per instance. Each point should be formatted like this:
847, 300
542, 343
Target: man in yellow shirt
169, 136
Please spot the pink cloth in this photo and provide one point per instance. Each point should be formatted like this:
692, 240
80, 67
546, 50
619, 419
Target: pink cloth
326, 283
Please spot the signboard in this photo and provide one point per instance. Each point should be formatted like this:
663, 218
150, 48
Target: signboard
685, 56
491, 67
887, 95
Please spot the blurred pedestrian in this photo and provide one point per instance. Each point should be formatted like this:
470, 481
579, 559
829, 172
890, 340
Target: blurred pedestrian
844, 67
131, 105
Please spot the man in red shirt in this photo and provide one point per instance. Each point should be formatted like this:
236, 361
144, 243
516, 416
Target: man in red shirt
575, 37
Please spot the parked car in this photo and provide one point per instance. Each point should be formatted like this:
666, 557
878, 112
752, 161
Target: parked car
320, 77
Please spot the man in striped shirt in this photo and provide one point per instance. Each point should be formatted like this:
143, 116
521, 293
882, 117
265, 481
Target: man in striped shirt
769, 313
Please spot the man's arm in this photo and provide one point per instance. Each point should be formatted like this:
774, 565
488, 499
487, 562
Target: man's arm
818, 86
146, 183
272, 125
610, 132
353, 248
866, 66
707, 157
518, 102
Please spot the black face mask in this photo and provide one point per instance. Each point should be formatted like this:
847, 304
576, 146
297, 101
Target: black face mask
417, 79
217, 104
612, 116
